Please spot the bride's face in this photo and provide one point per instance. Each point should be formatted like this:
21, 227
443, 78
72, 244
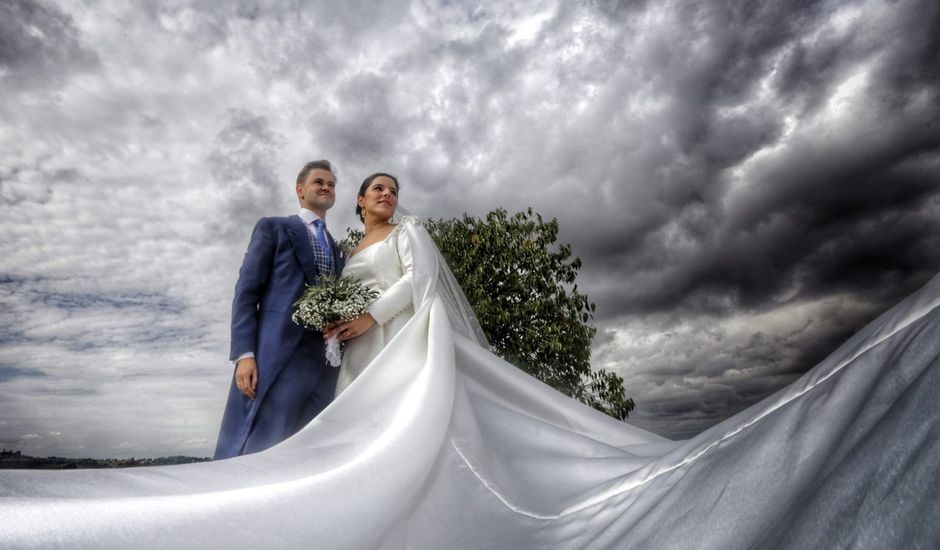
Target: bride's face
380, 199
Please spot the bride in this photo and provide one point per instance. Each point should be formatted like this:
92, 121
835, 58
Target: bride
434, 442
383, 262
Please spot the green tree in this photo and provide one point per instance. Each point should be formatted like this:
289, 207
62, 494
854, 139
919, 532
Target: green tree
522, 289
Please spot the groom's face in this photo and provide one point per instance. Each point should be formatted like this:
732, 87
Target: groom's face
318, 191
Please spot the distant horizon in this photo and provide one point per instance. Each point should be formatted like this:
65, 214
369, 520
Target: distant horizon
7, 451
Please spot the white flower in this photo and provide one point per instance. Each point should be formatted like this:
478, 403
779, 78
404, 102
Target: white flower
334, 300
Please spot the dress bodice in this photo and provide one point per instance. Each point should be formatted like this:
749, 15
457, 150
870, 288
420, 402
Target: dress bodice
375, 265
362, 267
386, 267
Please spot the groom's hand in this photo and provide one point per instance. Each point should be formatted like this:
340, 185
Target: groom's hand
246, 376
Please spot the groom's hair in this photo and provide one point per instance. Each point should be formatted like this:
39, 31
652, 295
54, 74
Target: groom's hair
314, 165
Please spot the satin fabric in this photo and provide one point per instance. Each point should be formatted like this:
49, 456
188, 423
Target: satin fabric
386, 267
440, 444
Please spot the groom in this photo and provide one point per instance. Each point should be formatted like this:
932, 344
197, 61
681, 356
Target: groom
281, 377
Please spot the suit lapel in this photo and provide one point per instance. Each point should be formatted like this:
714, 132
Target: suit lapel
300, 242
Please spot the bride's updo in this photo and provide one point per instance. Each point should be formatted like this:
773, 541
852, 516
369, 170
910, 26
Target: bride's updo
365, 185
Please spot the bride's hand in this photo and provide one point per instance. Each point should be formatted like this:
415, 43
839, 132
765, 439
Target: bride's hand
350, 329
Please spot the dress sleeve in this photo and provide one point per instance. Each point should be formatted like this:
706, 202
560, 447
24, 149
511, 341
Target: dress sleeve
400, 294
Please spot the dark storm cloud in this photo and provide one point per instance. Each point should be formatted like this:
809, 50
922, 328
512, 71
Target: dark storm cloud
689, 372
836, 206
804, 251
8, 372
40, 191
430, 111
82, 300
361, 126
38, 44
242, 164
797, 170
89, 320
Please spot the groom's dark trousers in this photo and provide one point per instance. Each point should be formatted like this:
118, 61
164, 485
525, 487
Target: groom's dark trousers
294, 381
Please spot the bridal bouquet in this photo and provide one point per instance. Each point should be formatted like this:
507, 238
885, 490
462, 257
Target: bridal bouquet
333, 300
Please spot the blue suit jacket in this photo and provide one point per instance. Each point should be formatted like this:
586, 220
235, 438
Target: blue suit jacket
278, 265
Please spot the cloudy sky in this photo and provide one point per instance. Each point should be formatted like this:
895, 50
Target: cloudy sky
747, 183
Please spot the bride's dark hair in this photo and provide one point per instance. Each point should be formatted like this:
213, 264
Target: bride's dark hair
365, 185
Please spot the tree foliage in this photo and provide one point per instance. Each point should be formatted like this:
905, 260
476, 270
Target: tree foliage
522, 289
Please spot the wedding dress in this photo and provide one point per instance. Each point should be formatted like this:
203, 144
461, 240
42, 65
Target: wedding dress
439, 444
386, 267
